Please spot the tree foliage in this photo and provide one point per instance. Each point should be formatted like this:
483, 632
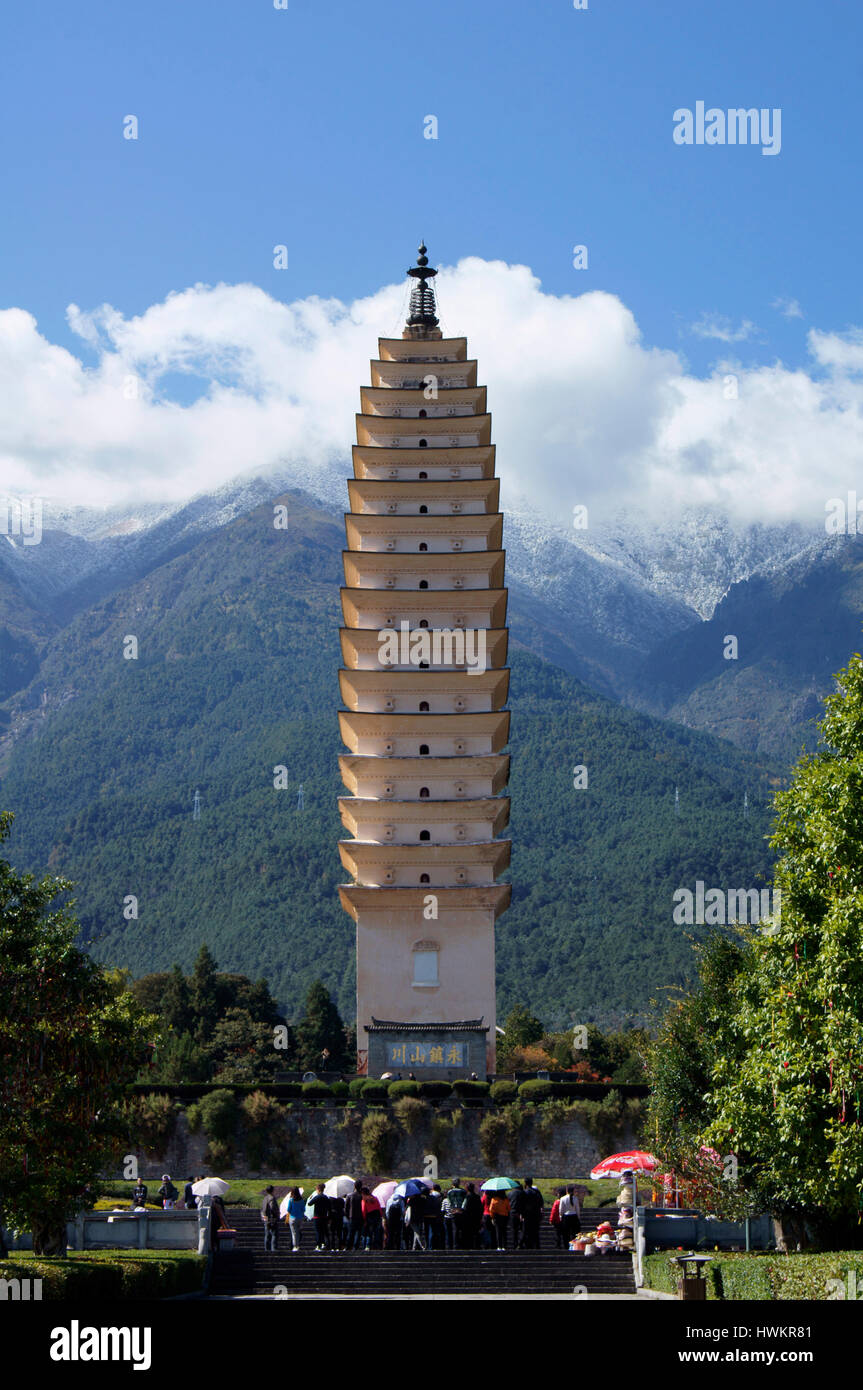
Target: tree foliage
71, 1037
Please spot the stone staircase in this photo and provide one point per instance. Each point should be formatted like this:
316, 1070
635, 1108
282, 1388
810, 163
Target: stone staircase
249, 1269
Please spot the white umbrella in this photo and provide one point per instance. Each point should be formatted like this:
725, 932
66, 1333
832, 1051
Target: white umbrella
283, 1207
339, 1187
210, 1187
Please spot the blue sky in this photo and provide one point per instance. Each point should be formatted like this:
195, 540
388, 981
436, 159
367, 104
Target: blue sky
304, 127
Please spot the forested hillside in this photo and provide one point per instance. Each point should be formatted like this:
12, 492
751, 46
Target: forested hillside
236, 674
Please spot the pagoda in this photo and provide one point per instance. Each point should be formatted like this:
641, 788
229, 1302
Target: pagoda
424, 684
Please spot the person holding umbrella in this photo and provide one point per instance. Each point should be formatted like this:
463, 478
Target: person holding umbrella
354, 1215
395, 1214
319, 1204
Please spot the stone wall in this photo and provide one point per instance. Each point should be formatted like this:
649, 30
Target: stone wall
326, 1139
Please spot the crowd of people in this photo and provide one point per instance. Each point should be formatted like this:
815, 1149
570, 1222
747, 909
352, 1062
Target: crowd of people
421, 1217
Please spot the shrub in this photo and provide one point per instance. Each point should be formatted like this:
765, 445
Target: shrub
471, 1090
263, 1121
289, 1089
403, 1088
536, 1090
492, 1133
435, 1090
316, 1090
411, 1112
375, 1090
379, 1139
217, 1113
355, 1087
152, 1119
503, 1092
339, 1088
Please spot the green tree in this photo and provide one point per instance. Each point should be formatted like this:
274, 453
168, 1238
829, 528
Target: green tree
71, 1038
178, 1013
241, 1050
205, 993
321, 1031
791, 1107
521, 1029
697, 1034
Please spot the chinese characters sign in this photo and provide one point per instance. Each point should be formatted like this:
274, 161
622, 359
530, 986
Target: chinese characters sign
410, 1054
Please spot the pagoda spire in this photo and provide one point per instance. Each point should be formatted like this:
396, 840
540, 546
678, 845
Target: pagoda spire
422, 306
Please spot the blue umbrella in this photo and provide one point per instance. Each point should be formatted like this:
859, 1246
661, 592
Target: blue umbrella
410, 1188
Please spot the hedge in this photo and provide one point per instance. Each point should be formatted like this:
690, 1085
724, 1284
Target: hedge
396, 1089
503, 1092
355, 1087
435, 1090
96, 1275
766, 1276
316, 1090
374, 1090
536, 1090
476, 1090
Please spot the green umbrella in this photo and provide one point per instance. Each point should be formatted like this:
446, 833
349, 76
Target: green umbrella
498, 1185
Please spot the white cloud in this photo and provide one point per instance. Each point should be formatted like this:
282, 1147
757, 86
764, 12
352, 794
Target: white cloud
789, 308
583, 410
720, 327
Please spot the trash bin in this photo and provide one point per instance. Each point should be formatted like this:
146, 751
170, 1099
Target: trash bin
692, 1288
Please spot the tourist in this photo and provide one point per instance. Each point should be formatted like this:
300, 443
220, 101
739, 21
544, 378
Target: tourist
190, 1201
296, 1212
498, 1210
270, 1218
555, 1218
415, 1218
218, 1220
570, 1215
472, 1216
168, 1192
354, 1216
516, 1211
453, 1205
337, 1222
394, 1221
434, 1218
531, 1215
320, 1207
372, 1220
487, 1228
139, 1195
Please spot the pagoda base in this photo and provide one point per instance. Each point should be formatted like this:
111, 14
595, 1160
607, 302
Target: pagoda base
432, 1051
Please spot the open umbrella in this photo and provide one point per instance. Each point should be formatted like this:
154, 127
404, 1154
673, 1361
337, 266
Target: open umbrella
634, 1160
340, 1186
411, 1186
210, 1187
384, 1191
283, 1205
498, 1185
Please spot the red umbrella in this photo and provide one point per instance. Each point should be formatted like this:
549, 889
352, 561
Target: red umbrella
633, 1160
